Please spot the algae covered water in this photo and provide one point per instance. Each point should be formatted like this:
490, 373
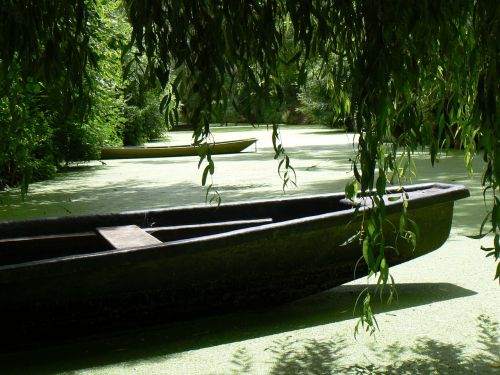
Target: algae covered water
116, 185
445, 320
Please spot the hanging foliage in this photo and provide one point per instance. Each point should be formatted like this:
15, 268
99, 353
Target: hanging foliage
420, 75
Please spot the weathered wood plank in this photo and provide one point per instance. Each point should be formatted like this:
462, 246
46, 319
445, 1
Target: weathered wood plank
127, 236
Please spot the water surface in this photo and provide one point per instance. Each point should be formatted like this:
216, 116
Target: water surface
448, 302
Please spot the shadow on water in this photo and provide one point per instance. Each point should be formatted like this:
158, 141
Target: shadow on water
150, 342
319, 357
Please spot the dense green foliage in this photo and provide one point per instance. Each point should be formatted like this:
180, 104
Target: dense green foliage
324, 99
144, 120
404, 76
42, 82
52, 72
62, 89
242, 103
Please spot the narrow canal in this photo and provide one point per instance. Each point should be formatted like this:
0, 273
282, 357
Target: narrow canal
446, 318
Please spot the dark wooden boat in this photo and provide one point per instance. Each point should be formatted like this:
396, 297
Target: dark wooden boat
106, 271
132, 152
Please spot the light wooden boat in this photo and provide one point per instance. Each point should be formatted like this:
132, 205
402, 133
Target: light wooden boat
131, 152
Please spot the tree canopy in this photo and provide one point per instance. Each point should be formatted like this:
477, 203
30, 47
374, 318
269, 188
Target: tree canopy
404, 75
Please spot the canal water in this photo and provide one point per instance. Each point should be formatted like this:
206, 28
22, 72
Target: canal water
319, 156
446, 317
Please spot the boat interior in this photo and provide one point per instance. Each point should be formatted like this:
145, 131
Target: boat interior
68, 236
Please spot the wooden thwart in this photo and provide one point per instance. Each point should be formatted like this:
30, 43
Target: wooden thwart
127, 236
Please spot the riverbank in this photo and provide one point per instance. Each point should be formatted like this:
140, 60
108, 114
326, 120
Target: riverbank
445, 320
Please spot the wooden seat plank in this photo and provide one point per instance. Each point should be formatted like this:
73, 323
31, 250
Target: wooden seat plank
127, 236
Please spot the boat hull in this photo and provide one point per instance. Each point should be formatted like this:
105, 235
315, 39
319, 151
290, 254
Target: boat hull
246, 267
133, 152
